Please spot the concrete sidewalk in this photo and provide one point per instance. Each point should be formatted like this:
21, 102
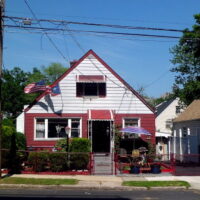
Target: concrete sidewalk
114, 182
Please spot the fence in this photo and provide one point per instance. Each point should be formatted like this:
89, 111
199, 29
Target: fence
135, 164
186, 164
46, 162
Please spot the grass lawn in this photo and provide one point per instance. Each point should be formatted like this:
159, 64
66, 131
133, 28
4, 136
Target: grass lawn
150, 184
38, 181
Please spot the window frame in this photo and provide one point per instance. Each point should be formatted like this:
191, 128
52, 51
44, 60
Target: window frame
124, 119
46, 128
81, 86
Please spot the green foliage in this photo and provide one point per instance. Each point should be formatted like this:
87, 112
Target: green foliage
151, 151
14, 82
38, 181
38, 160
13, 98
58, 161
61, 145
117, 139
186, 60
53, 71
8, 122
14, 164
80, 161
7, 132
20, 141
80, 145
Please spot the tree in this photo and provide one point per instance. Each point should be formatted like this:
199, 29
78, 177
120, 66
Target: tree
13, 98
186, 58
53, 71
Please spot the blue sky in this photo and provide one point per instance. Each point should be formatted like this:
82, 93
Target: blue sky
142, 62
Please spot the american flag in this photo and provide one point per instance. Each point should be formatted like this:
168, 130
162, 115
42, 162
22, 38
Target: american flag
35, 87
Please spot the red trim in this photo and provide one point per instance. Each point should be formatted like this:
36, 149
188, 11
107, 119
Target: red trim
100, 115
105, 65
29, 128
147, 121
90, 78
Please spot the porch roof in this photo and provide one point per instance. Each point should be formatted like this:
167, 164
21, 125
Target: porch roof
102, 115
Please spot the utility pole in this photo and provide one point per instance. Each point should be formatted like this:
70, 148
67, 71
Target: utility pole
2, 3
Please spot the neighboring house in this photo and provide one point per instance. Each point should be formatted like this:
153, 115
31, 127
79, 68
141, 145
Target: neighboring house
186, 131
94, 99
165, 113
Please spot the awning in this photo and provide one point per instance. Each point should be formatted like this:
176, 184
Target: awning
160, 134
100, 115
91, 78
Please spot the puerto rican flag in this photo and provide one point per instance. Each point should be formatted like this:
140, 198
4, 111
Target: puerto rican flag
35, 87
53, 90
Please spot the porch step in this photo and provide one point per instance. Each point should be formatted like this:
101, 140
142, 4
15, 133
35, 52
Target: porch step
103, 164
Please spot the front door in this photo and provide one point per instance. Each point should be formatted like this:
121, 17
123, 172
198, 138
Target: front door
101, 136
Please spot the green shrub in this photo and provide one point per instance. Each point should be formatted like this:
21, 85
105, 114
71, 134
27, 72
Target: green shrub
20, 141
38, 160
61, 145
80, 145
58, 161
9, 138
79, 161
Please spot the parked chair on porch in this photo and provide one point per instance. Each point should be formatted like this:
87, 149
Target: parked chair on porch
123, 157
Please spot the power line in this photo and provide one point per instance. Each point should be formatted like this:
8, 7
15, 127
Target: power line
98, 32
49, 38
96, 24
105, 18
94, 34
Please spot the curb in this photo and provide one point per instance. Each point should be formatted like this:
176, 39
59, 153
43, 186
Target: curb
70, 187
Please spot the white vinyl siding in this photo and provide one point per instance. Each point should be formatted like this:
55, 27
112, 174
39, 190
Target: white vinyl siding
118, 97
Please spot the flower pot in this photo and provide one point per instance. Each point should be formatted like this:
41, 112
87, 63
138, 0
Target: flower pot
155, 169
135, 170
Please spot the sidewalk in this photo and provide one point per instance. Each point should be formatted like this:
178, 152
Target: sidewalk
112, 182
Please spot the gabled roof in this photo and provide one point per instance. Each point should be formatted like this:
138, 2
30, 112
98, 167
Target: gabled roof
192, 112
162, 106
92, 53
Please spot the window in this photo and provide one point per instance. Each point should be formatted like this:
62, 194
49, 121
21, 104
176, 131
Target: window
40, 128
178, 109
75, 128
131, 122
90, 89
168, 124
184, 131
56, 128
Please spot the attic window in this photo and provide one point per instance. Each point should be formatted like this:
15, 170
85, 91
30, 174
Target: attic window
178, 109
91, 86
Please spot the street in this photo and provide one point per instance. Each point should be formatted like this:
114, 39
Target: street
136, 194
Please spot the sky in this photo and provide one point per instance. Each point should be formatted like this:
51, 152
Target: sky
140, 61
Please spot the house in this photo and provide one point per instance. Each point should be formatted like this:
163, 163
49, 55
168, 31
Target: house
94, 100
186, 131
165, 113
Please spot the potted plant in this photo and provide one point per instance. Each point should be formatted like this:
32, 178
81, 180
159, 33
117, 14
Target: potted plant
135, 166
155, 168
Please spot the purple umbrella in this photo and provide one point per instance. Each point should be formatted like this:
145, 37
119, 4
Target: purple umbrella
135, 130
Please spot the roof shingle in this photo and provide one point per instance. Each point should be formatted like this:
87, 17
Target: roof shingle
192, 112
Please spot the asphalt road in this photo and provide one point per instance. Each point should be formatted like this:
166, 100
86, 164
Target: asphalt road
32, 194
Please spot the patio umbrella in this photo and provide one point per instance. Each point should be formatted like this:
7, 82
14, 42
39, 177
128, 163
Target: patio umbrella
136, 131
